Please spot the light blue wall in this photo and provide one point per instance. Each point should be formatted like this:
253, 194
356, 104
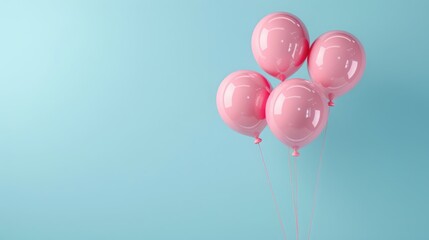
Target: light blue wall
109, 127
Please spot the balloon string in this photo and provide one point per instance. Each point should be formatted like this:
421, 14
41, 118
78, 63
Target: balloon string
296, 194
272, 193
294, 202
316, 188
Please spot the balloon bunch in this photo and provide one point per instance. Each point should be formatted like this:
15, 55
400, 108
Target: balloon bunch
297, 110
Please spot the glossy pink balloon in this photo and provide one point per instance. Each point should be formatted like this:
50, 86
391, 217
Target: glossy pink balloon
280, 44
336, 62
297, 112
241, 100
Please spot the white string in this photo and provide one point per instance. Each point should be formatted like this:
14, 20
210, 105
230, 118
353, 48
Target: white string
316, 188
272, 193
294, 202
296, 194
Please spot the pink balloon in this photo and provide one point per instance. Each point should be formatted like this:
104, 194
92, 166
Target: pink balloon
336, 62
280, 44
241, 100
296, 113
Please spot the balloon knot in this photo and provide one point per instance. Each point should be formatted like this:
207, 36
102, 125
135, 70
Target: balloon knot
257, 140
295, 152
331, 100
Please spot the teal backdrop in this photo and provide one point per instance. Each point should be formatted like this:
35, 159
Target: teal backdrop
109, 127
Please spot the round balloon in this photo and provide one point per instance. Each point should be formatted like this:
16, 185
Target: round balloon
336, 62
280, 44
296, 113
241, 100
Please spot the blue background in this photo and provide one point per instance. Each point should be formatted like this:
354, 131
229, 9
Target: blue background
109, 127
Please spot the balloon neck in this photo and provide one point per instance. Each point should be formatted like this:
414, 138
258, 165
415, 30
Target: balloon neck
257, 140
281, 77
331, 100
295, 152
